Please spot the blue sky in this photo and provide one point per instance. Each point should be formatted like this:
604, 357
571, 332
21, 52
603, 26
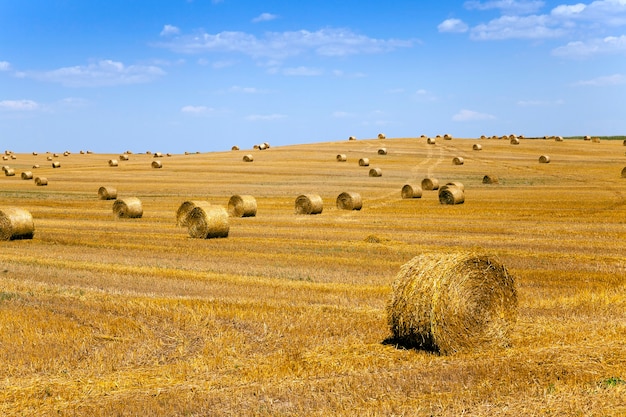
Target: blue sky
203, 75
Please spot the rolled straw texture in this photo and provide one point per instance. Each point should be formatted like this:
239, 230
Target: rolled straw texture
242, 206
458, 160
234, 148
27, 175
453, 302
514, 141
382, 136
349, 201
382, 151
157, 164
107, 193
376, 172
56, 164
309, 204
451, 195
9, 172
430, 184
544, 159
624, 172
207, 222
454, 184
41, 181
182, 214
477, 147
248, 158
113, 162
123, 157
431, 141
16, 223
342, 157
490, 179
130, 207
364, 162
411, 191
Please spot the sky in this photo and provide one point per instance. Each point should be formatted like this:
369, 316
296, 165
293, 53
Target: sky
204, 75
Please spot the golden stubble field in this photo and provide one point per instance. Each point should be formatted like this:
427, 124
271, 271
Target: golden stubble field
286, 316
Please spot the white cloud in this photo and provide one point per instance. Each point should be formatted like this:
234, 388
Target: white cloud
265, 117
5, 66
470, 116
452, 26
609, 80
506, 6
196, 109
585, 49
19, 105
540, 103
169, 30
515, 27
264, 17
246, 90
302, 71
602, 12
568, 10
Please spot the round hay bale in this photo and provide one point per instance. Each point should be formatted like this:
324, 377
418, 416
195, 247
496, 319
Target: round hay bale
544, 159
453, 302
168, 154
376, 172
587, 137
458, 160
5, 167
514, 141
411, 191
381, 136
382, 151
157, 155
364, 162
594, 140
107, 193
451, 195
456, 184
9, 172
242, 206
129, 207
13, 156
182, 214
342, 157
41, 181
558, 138
262, 146
431, 141
123, 157
16, 223
447, 136
48, 158
35, 153
35, 166
27, 175
352, 138
430, 184
483, 137
207, 222
349, 201
267, 145
477, 147
234, 148
113, 162
56, 164
624, 172
309, 204
490, 179
56, 155
5, 158
248, 158
157, 164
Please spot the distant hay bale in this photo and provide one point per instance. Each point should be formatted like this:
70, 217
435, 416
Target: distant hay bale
342, 157
587, 137
208, 222
5, 167
261, 146
595, 140
234, 148
352, 138
431, 141
514, 141
56, 155
364, 162
242, 206
157, 155
89, 152
123, 157
56, 164
512, 136
451, 195
5, 158
430, 184
267, 145
129, 207
48, 158
376, 172
624, 143
27, 175
9, 172
168, 154
113, 162
624, 172
35, 153
477, 147
16, 223
41, 181
13, 157
382, 136
349, 201
107, 193
185, 209
494, 137
157, 164
447, 136
248, 158
558, 138
453, 302
458, 160
544, 159
490, 179
483, 137
411, 191
382, 151
35, 166
309, 204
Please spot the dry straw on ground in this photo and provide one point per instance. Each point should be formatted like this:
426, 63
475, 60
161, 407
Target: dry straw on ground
129, 207
242, 206
458, 160
342, 157
364, 162
41, 181
16, 223
309, 204
349, 201
490, 179
544, 159
411, 191
157, 164
382, 151
107, 193
182, 214
453, 302
248, 158
27, 175
376, 172
430, 184
450, 195
207, 222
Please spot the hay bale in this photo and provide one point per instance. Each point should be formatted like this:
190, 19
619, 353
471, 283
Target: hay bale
157, 155
624, 172
107, 193
431, 141
123, 157
27, 175
234, 148
544, 159
458, 160
207, 222
483, 137
16, 223
624, 143
376, 172
157, 164
48, 158
382, 136
454, 184
595, 140
447, 136
129, 207
13, 156
349, 201
267, 145
382, 151
35, 166
242, 206
248, 158
453, 302
430, 184
5, 167
5, 158
587, 137
342, 157
364, 162
56, 155
309, 204
41, 181
352, 138
56, 164
451, 195
558, 138
514, 141
9, 172
411, 191
182, 214
490, 179
261, 146
113, 162
477, 147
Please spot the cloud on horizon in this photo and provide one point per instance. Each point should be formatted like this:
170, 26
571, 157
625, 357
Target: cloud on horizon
470, 116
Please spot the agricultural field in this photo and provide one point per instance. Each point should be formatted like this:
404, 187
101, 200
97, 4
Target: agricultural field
287, 316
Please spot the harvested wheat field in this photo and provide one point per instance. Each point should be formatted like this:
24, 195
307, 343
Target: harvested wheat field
287, 315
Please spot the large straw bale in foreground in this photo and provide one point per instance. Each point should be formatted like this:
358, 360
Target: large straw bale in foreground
411, 191
16, 223
107, 193
309, 204
207, 222
242, 206
453, 302
130, 207
182, 214
349, 201
450, 194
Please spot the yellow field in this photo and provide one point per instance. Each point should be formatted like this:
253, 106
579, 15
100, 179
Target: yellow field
121, 317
